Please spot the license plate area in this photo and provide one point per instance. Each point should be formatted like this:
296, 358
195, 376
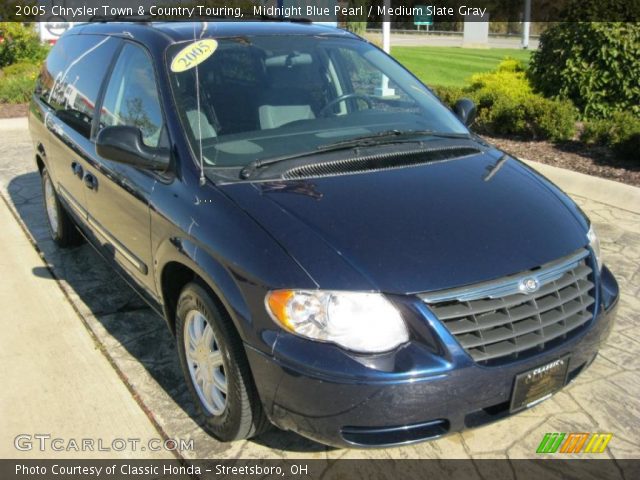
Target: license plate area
539, 383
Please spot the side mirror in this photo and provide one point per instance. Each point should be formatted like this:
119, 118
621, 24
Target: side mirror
124, 144
465, 110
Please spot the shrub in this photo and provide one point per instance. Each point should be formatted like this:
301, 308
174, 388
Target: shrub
595, 65
551, 119
17, 82
621, 132
16, 89
21, 69
510, 64
21, 43
505, 79
533, 117
621, 125
508, 106
448, 95
504, 116
488, 88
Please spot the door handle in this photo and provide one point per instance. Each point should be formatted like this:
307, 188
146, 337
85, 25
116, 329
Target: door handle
77, 169
90, 181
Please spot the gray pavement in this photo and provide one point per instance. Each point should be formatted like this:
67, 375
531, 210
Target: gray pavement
605, 398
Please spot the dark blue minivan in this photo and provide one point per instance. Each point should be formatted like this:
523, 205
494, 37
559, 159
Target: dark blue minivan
334, 250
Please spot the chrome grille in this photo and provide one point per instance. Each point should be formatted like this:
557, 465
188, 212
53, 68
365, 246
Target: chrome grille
495, 321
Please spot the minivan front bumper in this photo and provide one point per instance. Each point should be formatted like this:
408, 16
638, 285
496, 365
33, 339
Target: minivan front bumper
411, 395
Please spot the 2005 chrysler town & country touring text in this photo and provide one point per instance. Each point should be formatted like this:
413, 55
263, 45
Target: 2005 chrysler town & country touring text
333, 249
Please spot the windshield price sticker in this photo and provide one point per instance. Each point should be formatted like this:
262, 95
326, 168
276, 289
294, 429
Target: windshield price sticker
193, 54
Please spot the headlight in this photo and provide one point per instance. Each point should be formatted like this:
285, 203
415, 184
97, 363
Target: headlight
362, 322
594, 243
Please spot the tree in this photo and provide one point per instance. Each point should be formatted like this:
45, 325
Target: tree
19, 43
357, 24
594, 64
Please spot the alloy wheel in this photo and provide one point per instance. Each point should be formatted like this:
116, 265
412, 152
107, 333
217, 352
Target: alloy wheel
51, 205
206, 362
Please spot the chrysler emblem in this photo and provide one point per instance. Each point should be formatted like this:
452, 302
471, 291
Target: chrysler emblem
529, 285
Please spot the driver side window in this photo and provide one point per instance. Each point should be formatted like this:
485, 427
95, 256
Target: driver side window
132, 98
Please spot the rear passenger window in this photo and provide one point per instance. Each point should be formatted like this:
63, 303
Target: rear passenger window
72, 75
132, 96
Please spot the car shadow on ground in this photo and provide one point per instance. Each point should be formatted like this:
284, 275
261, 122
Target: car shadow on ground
127, 321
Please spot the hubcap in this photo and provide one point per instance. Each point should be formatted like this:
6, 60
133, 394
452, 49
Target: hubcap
50, 204
206, 363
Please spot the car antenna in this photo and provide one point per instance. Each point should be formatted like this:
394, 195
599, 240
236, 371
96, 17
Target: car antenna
200, 156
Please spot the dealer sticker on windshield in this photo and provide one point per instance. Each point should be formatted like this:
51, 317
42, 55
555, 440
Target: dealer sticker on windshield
193, 54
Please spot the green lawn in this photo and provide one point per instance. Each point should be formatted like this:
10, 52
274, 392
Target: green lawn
451, 66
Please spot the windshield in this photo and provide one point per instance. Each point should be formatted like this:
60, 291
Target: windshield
263, 97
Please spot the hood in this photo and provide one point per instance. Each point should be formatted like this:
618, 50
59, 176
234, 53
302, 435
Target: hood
419, 228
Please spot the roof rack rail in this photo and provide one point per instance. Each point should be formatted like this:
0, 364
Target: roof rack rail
271, 18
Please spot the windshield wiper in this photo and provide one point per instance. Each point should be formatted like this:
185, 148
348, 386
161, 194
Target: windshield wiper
378, 138
390, 136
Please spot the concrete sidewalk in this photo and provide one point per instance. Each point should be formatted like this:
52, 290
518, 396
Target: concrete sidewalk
55, 379
601, 190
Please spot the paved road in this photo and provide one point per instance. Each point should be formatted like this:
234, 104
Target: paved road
605, 398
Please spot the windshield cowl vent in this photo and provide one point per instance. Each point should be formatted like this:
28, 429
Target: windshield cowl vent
374, 163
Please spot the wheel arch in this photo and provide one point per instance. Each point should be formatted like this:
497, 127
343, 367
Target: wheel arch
40, 163
179, 267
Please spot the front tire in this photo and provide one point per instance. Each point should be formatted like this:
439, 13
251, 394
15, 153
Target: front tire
215, 368
61, 227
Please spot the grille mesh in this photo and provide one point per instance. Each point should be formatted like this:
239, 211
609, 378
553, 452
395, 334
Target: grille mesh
497, 329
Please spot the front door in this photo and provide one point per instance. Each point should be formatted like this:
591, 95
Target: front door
118, 204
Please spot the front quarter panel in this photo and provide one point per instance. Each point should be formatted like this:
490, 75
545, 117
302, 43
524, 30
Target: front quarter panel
202, 229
